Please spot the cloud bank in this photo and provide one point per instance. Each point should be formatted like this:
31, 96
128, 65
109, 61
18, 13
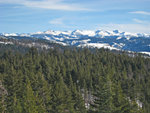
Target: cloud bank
47, 4
133, 28
57, 21
140, 12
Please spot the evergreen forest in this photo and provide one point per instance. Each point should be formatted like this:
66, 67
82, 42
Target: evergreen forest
73, 80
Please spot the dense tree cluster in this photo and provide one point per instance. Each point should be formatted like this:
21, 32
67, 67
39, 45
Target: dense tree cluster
73, 81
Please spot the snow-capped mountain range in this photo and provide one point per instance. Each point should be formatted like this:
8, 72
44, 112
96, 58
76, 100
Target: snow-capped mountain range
137, 42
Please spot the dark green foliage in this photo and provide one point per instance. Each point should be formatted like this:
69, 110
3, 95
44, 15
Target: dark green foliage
61, 98
3, 94
65, 80
103, 96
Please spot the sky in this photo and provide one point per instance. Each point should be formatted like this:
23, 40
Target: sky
26, 16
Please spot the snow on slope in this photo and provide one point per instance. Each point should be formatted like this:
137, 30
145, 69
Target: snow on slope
75, 33
6, 43
138, 42
98, 45
83, 32
148, 53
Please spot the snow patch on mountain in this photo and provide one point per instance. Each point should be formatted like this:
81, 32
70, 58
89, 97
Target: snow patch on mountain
118, 45
148, 53
119, 38
83, 32
78, 33
98, 45
6, 43
64, 44
10, 34
86, 41
115, 39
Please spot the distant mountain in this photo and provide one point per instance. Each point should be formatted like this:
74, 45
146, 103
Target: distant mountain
137, 42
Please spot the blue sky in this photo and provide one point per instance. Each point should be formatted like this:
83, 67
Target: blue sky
24, 16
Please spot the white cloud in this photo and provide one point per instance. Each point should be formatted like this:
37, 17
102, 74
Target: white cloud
139, 21
57, 21
48, 4
133, 28
60, 23
140, 12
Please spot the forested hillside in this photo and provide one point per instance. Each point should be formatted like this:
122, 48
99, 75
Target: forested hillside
73, 81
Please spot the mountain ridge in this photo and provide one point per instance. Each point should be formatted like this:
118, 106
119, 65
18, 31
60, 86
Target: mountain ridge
113, 40
80, 32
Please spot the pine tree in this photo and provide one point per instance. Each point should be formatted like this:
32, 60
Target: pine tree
103, 96
3, 95
29, 99
17, 108
79, 104
120, 102
44, 92
61, 98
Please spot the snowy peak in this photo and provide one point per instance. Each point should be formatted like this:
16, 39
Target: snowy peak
137, 42
102, 33
9, 34
78, 33
52, 32
83, 33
